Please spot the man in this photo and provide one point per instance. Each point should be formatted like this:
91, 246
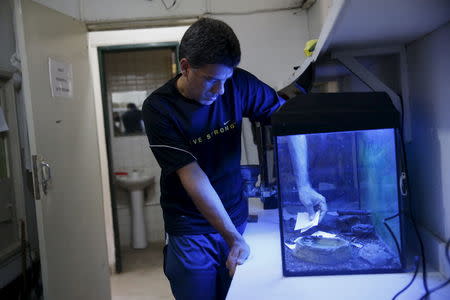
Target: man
193, 124
132, 119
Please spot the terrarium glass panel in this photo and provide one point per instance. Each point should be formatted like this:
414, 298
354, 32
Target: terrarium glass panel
356, 173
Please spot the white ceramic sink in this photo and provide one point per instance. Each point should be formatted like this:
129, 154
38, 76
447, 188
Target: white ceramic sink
135, 183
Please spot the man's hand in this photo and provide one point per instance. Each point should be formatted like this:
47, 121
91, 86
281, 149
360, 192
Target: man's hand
239, 252
207, 201
308, 196
311, 199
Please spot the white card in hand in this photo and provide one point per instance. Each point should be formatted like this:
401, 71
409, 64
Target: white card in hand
303, 223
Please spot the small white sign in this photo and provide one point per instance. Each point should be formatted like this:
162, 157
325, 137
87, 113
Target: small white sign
61, 78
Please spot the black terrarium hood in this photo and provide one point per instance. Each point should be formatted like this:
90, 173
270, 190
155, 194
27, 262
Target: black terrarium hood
333, 112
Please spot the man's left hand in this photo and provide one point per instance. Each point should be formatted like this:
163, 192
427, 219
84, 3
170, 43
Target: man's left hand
239, 252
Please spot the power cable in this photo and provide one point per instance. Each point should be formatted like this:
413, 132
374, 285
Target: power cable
416, 264
411, 215
447, 255
392, 233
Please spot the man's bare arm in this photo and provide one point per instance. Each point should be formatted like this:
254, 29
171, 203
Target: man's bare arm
205, 198
299, 157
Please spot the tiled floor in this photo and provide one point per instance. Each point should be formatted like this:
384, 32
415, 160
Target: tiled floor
142, 276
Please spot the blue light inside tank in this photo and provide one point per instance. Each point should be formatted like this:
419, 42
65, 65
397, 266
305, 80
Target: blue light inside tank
356, 171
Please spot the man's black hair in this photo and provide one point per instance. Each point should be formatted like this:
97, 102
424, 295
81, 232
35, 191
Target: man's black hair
210, 41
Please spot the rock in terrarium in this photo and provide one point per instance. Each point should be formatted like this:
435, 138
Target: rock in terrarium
322, 250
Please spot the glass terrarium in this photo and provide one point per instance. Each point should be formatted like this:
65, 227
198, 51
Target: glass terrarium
342, 150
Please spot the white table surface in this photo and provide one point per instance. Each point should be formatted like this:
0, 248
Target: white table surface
261, 276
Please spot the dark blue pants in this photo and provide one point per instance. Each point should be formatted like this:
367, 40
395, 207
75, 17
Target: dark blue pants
195, 266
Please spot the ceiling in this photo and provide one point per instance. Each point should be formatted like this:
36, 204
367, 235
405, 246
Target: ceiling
366, 23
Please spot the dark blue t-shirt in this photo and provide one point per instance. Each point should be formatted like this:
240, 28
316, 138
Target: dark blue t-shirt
181, 131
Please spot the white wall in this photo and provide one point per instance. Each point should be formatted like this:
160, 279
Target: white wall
272, 45
67, 7
385, 67
110, 10
119, 10
429, 154
133, 153
239, 6
316, 17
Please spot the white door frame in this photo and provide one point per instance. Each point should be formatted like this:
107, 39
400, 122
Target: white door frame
118, 38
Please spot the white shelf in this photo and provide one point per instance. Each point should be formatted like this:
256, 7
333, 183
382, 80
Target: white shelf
380, 23
352, 25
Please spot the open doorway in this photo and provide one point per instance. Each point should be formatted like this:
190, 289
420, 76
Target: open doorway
129, 73
130, 40
148, 59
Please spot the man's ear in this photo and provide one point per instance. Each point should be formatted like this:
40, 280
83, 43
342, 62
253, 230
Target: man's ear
184, 65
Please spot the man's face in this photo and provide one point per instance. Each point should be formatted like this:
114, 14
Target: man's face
206, 83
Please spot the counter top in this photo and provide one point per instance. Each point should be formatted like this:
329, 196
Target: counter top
261, 276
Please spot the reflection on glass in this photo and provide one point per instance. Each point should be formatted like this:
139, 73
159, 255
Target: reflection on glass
127, 115
356, 172
130, 76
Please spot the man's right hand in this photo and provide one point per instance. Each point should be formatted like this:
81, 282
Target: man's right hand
311, 199
239, 252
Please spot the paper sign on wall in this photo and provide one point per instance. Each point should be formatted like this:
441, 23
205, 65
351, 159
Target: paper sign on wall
60, 78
